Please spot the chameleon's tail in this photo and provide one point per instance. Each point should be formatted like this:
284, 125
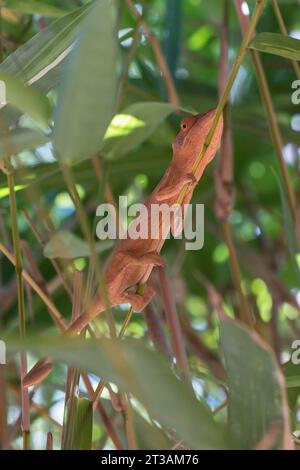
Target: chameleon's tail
95, 308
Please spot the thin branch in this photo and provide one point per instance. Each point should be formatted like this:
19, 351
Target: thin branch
56, 316
174, 325
272, 120
171, 90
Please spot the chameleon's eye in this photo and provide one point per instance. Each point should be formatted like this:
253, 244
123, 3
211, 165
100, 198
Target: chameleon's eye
183, 126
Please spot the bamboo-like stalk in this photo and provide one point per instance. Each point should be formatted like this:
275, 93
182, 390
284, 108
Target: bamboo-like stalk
3, 410
54, 263
102, 384
17, 248
129, 423
67, 172
174, 326
224, 179
55, 314
107, 423
245, 310
284, 31
163, 66
21, 301
272, 121
49, 442
259, 7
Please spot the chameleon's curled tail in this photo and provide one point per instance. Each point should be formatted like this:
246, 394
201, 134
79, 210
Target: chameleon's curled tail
95, 308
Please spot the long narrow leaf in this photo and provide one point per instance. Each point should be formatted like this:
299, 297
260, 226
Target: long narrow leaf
86, 99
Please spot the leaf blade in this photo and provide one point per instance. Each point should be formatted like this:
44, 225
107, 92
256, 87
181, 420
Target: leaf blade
86, 98
277, 44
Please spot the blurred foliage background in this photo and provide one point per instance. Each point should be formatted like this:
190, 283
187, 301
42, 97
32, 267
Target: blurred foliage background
57, 127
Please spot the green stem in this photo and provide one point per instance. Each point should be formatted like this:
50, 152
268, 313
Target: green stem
89, 238
245, 310
17, 249
259, 7
21, 299
275, 132
273, 125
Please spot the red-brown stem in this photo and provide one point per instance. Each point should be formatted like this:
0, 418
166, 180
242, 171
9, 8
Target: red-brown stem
107, 424
49, 443
171, 90
174, 325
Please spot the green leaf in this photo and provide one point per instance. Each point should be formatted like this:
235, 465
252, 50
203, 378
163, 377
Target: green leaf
35, 56
256, 394
159, 390
292, 375
19, 140
289, 227
278, 44
32, 7
65, 244
133, 126
86, 99
83, 426
26, 98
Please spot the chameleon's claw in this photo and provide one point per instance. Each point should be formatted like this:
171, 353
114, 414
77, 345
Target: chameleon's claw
139, 301
137, 260
153, 258
190, 179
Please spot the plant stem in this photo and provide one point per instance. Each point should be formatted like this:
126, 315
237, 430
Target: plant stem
102, 384
56, 316
259, 7
89, 238
17, 249
163, 66
245, 310
174, 326
21, 300
272, 121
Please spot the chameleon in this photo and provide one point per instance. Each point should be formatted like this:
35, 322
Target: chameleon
132, 260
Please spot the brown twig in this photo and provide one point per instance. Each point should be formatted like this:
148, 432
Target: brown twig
171, 90
272, 120
174, 325
56, 316
155, 329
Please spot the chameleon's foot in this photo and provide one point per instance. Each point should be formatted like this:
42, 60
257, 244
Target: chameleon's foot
139, 301
129, 258
94, 309
152, 258
172, 191
190, 179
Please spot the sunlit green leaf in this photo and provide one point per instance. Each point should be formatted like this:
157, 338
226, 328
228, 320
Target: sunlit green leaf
133, 127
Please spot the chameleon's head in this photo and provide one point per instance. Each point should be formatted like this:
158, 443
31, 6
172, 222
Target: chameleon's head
191, 137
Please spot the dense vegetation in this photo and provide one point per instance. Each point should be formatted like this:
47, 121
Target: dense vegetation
92, 95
